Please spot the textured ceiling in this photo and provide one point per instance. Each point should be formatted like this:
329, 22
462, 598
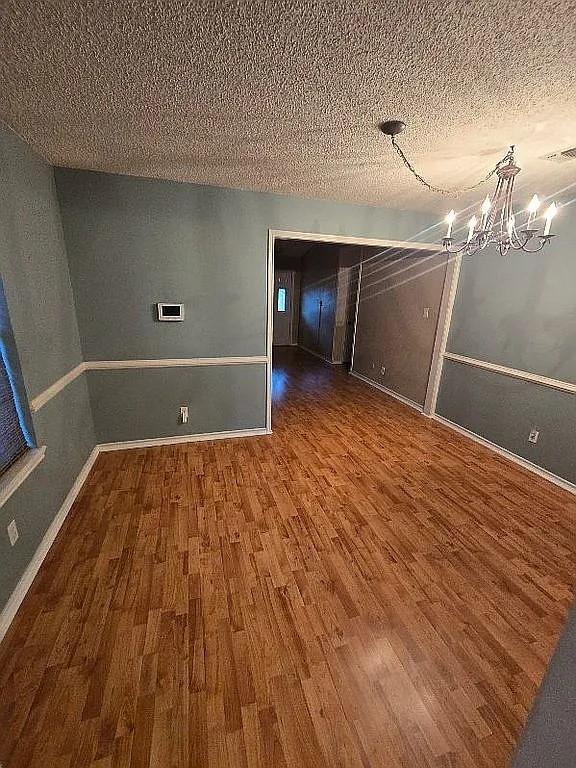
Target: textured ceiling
284, 95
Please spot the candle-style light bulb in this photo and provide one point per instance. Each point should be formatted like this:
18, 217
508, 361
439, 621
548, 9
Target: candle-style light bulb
533, 206
450, 219
485, 211
550, 213
510, 227
471, 225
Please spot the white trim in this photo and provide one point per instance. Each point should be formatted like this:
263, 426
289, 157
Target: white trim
172, 362
356, 315
19, 471
19, 593
344, 240
449, 291
37, 402
515, 373
162, 362
530, 466
269, 327
395, 395
173, 440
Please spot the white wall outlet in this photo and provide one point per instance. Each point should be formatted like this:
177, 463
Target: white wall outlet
426, 313
12, 532
183, 414
534, 435
382, 370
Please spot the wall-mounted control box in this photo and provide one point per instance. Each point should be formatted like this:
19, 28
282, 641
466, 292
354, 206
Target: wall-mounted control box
172, 313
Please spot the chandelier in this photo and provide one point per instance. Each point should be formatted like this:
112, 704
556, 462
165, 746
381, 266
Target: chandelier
497, 224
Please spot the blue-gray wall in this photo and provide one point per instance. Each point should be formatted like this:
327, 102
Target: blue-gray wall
36, 281
518, 311
132, 242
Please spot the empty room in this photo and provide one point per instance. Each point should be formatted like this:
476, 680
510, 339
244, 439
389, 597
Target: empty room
287, 384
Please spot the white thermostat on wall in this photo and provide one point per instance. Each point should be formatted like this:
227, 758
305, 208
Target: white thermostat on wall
170, 312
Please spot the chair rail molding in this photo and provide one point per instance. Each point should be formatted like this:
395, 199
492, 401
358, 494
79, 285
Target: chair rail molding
515, 373
162, 362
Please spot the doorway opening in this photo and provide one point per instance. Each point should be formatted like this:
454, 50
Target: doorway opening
315, 288
374, 308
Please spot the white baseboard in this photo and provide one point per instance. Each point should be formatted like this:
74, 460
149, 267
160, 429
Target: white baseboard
529, 465
395, 395
19, 593
157, 441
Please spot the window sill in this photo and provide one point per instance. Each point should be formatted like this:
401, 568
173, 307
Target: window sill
19, 471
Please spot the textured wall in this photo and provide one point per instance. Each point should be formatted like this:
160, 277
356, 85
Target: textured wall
518, 311
39, 296
391, 330
132, 242
220, 399
504, 410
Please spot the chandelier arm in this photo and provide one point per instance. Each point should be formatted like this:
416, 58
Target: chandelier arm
542, 245
441, 190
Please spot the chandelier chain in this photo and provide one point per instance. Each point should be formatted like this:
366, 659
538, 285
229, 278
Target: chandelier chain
433, 188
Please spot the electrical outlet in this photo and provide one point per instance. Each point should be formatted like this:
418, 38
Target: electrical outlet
12, 532
533, 436
426, 313
183, 414
382, 370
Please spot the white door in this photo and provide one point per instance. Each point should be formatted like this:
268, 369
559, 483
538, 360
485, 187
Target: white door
283, 300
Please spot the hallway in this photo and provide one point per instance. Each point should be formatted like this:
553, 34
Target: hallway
364, 587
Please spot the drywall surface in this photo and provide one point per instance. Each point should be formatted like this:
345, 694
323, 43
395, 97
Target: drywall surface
219, 398
392, 331
41, 307
518, 311
132, 242
504, 410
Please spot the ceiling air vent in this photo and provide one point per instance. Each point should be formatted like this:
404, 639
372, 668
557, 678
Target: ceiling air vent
562, 156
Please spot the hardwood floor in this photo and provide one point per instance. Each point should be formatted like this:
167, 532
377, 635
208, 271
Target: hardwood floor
362, 588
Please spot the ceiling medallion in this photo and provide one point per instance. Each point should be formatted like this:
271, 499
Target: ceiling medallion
497, 224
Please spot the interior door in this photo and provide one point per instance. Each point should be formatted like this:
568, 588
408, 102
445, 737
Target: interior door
283, 299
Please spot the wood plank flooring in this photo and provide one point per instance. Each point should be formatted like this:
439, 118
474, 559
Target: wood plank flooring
362, 588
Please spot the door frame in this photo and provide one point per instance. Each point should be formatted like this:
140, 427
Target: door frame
444, 318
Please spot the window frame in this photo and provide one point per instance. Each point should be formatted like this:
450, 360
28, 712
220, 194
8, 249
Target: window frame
284, 296
16, 472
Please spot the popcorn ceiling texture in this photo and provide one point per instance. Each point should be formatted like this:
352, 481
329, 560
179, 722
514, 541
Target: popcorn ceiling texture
285, 95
